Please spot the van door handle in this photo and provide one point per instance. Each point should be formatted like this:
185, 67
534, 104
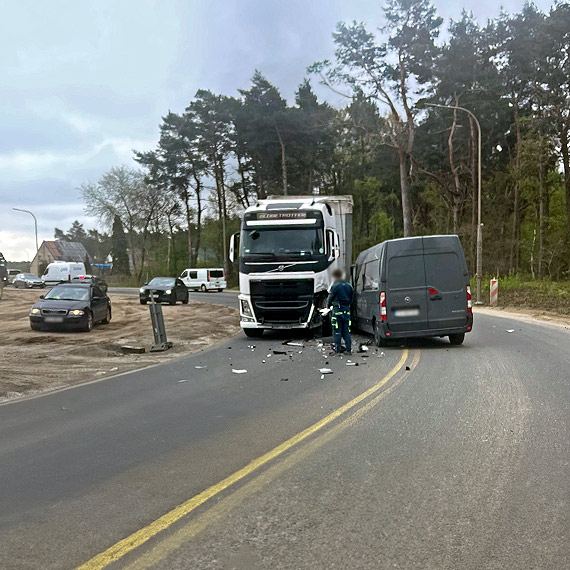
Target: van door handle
436, 298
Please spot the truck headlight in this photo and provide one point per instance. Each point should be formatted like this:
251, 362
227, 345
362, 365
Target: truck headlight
245, 309
76, 313
35, 312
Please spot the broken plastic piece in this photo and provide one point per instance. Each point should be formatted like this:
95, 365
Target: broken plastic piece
200, 367
239, 371
325, 311
510, 330
294, 343
325, 371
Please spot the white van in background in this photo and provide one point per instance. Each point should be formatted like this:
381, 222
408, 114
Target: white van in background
62, 271
204, 279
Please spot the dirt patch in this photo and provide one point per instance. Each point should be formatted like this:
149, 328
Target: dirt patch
36, 361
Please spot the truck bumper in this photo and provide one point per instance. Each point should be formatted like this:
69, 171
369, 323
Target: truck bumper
248, 319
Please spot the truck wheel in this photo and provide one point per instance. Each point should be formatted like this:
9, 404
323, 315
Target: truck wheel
253, 333
457, 338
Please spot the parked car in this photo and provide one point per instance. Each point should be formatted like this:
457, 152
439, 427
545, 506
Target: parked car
27, 281
413, 287
204, 279
62, 272
12, 274
93, 279
76, 306
164, 290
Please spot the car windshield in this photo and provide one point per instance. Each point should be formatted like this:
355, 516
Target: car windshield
29, 276
66, 293
161, 282
302, 241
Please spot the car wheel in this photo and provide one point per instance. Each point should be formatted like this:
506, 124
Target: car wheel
253, 333
89, 322
185, 300
457, 338
35, 327
172, 301
143, 302
203, 289
107, 318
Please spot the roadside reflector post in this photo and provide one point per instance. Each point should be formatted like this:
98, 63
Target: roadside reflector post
160, 342
494, 293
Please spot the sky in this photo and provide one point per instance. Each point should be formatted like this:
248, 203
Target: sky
85, 83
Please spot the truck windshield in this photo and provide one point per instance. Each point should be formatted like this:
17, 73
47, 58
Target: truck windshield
282, 241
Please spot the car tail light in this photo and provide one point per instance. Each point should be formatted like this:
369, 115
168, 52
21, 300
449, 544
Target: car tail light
469, 300
433, 291
383, 313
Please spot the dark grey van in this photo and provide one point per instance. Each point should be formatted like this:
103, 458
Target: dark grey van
413, 287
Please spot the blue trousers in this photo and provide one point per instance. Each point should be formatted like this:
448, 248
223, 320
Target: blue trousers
340, 321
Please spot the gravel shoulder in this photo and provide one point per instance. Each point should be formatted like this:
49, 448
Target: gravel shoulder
34, 362
527, 315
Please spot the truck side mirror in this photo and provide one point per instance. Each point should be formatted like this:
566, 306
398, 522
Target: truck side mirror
233, 247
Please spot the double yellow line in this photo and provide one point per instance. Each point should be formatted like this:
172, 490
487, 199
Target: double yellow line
128, 544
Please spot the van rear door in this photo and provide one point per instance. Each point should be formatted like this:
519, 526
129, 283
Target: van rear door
404, 277
446, 280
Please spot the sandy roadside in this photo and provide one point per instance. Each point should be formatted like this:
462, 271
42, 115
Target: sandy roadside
33, 362
527, 315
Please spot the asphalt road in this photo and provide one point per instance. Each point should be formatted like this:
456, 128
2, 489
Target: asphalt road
227, 298
460, 462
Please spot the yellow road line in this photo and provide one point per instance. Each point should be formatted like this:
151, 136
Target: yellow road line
156, 556
126, 545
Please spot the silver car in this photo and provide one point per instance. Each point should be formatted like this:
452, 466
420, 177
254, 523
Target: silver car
27, 281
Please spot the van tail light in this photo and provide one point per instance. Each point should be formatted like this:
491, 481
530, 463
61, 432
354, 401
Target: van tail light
469, 300
433, 291
383, 313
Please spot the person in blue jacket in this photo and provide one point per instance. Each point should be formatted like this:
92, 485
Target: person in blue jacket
340, 299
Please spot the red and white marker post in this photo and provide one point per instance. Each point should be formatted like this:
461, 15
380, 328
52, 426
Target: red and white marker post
494, 293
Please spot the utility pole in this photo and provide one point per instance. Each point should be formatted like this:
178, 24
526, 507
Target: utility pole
479, 261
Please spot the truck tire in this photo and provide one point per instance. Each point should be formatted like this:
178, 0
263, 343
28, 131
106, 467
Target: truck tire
457, 338
253, 333
203, 289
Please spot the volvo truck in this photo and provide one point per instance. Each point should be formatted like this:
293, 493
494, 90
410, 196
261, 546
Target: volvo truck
287, 249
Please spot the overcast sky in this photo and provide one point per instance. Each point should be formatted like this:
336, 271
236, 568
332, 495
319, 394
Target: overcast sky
84, 83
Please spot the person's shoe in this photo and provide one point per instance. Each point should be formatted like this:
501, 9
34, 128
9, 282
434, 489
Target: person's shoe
349, 352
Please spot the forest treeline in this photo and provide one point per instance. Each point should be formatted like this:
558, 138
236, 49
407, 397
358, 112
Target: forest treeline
411, 167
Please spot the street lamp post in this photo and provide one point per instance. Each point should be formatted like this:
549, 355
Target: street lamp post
479, 261
35, 224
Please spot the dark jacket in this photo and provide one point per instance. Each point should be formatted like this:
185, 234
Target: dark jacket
340, 296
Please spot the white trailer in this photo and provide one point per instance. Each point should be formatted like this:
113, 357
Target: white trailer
288, 248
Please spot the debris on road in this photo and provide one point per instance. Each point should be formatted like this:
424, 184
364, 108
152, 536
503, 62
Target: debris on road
284, 379
128, 349
294, 343
325, 371
510, 330
183, 380
352, 363
199, 367
279, 351
239, 371
362, 347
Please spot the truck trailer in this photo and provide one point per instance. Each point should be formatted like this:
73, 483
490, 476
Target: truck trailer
287, 249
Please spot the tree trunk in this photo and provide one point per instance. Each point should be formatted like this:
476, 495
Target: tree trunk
405, 191
565, 151
474, 175
219, 176
189, 225
283, 160
514, 258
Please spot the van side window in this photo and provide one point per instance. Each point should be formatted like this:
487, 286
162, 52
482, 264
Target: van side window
193, 275
359, 282
444, 272
184, 274
371, 275
407, 271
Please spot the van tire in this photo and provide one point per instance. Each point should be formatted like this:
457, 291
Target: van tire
457, 338
253, 333
378, 340
203, 289
220, 290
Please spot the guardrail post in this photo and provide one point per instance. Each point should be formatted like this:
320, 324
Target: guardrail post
160, 341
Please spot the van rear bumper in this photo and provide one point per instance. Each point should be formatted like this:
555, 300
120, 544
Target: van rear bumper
383, 329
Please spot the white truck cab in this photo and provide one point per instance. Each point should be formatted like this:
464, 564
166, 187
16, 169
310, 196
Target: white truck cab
288, 248
204, 279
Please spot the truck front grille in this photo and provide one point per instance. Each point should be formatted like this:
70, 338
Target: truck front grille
282, 300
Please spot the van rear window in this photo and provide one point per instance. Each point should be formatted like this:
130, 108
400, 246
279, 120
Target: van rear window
407, 271
444, 272
216, 273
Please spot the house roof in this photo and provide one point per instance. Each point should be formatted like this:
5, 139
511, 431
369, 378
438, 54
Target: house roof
66, 250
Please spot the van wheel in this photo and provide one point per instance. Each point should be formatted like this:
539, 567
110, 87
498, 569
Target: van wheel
457, 338
203, 289
220, 290
253, 333
378, 340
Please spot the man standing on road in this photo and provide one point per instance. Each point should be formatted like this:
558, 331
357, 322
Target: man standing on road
340, 299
